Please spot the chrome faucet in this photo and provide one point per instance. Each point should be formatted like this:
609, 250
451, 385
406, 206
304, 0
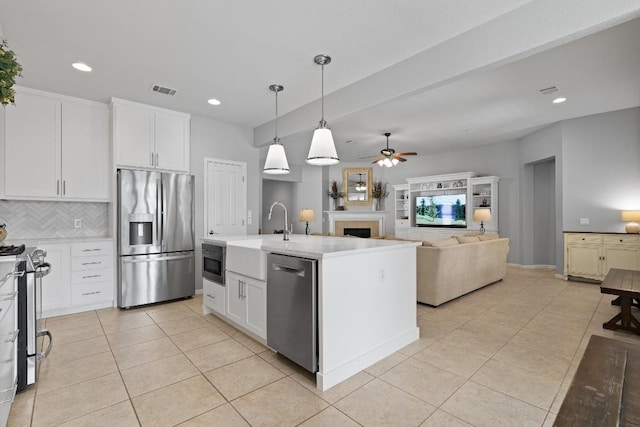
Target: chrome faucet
286, 229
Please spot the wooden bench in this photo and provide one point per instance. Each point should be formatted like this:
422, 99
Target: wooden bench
605, 390
625, 284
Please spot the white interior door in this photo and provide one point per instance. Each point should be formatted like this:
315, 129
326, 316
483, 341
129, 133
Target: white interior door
225, 197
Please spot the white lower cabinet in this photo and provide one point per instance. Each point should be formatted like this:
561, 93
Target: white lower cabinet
247, 303
81, 277
213, 296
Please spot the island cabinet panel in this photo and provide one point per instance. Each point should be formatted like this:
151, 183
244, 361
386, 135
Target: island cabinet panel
247, 303
380, 287
213, 297
592, 255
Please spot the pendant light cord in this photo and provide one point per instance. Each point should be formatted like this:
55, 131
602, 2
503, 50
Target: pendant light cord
276, 138
322, 92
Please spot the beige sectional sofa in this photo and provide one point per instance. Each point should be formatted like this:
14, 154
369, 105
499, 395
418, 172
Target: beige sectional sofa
447, 271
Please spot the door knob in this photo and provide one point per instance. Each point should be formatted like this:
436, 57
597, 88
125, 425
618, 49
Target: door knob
211, 233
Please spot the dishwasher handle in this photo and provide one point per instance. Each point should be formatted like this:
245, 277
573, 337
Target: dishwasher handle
297, 271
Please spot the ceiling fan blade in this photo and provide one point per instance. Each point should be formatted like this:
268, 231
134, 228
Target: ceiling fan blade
378, 159
402, 159
408, 153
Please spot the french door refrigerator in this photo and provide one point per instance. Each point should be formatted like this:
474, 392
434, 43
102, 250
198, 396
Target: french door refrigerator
156, 260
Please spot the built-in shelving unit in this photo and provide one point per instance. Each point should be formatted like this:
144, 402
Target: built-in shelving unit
479, 191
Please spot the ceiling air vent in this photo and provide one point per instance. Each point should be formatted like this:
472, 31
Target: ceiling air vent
549, 90
164, 90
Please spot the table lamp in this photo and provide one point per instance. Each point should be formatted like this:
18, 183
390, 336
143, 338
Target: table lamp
307, 215
631, 218
482, 215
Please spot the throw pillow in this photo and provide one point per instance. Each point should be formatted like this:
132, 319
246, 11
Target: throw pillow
467, 239
427, 243
488, 236
444, 242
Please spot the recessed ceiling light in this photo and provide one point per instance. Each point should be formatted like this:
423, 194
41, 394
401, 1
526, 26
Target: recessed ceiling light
81, 66
559, 100
213, 101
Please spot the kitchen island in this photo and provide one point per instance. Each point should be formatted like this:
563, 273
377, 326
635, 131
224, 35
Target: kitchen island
366, 300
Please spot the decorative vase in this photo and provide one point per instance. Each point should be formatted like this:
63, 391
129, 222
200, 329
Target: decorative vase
376, 205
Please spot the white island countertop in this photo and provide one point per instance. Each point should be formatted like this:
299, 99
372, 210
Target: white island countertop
316, 247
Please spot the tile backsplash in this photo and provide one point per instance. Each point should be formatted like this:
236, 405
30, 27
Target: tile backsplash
35, 220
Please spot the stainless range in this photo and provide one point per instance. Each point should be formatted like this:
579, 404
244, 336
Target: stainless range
30, 354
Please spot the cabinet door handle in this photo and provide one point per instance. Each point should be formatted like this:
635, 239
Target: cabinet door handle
91, 250
239, 285
157, 159
57, 186
92, 263
64, 187
152, 159
211, 296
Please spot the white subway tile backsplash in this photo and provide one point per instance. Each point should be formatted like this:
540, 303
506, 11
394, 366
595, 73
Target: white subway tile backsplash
34, 220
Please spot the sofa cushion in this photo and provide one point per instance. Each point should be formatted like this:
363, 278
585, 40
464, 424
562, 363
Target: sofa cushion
444, 242
488, 236
467, 239
427, 243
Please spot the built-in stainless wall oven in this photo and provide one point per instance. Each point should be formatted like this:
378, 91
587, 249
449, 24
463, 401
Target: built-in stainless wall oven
213, 262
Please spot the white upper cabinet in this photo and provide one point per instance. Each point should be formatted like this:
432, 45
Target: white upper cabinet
150, 137
56, 147
85, 150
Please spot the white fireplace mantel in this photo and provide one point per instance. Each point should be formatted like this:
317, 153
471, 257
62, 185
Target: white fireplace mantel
333, 216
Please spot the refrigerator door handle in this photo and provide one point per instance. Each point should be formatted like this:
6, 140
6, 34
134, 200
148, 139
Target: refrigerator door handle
158, 213
161, 201
158, 259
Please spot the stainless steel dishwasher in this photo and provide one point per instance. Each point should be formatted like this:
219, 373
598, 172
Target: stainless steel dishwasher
292, 305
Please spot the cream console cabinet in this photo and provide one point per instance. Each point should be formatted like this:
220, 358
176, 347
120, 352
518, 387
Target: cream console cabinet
591, 255
150, 137
55, 148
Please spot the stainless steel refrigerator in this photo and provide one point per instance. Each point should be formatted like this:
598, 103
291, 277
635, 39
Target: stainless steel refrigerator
156, 260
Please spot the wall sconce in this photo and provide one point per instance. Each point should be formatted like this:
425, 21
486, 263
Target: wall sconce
631, 218
482, 214
307, 215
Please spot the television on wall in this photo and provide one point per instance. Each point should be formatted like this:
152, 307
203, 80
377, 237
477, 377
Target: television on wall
447, 210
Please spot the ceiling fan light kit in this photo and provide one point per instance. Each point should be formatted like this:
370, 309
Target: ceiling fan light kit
389, 157
323, 149
276, 162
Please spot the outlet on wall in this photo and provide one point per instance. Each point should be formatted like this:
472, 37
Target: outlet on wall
584, 221
77, 223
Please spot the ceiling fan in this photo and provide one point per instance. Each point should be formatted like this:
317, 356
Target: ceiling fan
389, 157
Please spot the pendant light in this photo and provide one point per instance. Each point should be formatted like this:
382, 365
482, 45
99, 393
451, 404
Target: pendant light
276, 162
323, 150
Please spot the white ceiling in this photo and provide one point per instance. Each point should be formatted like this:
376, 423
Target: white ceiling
234, 50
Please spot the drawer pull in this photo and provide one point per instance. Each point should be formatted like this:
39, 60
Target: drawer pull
92, 263
92, 276
91, 250
211, 296
91, 293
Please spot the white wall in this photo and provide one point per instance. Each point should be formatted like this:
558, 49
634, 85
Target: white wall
544, 213
601, 169
213, 138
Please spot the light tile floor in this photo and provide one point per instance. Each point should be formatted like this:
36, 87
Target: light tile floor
501, 356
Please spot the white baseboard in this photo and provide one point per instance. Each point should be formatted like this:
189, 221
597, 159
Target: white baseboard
326, 380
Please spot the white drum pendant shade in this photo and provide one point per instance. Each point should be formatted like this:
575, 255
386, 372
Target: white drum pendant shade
276, 163
323, 150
